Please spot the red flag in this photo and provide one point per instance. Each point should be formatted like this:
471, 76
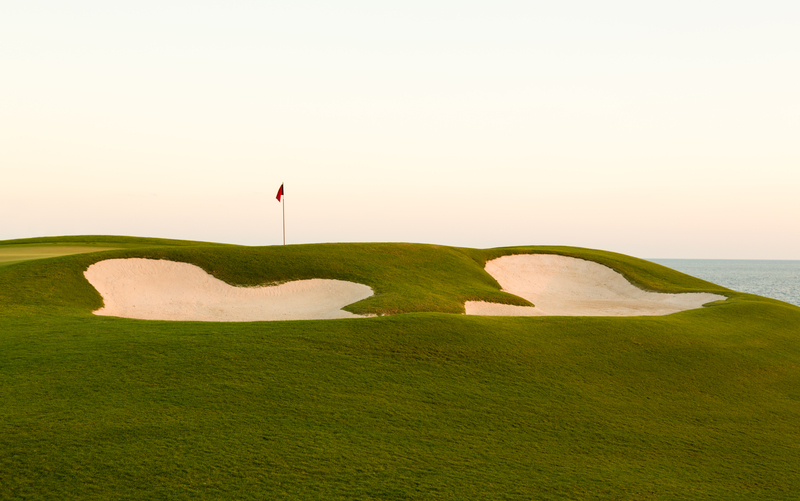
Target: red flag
280, 193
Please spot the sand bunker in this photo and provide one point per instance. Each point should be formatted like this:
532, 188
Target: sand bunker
167, 290
560, 285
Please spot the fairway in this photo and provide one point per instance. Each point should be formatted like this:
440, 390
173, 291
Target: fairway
10, 254
420, 401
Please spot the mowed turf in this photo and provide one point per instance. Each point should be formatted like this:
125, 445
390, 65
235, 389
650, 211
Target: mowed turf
703, 404
10, 254
16, 251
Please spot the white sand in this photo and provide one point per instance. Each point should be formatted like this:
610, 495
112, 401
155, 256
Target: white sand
167, 290
560, 285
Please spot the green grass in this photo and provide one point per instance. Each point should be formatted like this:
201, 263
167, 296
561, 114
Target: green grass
17, 251
11, 254
702, 404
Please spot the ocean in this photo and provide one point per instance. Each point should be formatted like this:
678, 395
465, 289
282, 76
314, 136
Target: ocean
775, 279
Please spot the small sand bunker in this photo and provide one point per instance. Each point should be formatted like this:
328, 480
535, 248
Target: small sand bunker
166, 290
560, 285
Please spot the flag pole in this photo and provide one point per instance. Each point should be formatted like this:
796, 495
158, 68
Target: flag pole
283, 206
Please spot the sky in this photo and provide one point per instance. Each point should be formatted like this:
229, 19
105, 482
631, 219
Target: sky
655, 129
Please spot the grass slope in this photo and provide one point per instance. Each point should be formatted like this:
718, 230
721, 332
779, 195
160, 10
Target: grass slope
17, 251
12, 254
702, 404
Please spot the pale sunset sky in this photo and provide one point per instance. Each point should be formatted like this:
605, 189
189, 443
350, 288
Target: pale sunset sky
656, 129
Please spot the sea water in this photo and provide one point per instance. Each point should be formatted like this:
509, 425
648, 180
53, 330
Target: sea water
775, 279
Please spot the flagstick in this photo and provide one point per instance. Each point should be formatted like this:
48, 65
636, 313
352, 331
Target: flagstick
283, 206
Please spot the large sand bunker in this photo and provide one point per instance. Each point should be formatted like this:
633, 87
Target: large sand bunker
166, 290
560, 285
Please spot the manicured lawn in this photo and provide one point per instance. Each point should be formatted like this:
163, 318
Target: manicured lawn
426, 404
10, 254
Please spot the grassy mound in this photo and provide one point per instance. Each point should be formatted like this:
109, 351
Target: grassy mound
702, 404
